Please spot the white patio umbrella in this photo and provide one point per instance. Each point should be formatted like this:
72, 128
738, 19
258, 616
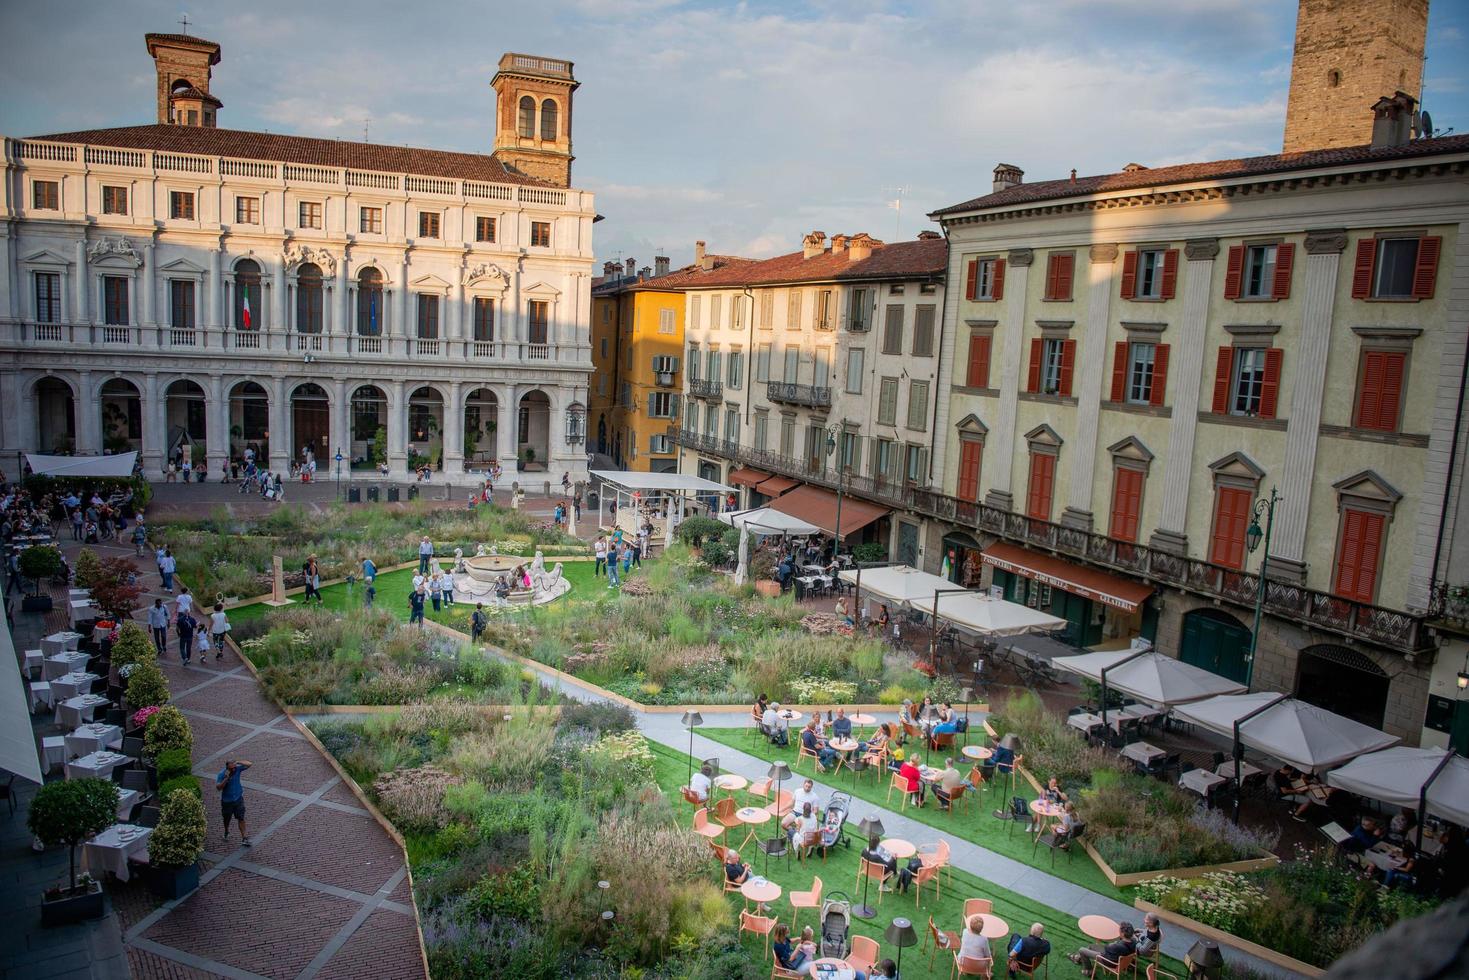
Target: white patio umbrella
978, 613
742, 568
1307, 737
898, 583
1434, 779
1152, 677
765, 520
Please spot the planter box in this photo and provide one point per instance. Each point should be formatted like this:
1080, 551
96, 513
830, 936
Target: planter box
73, 908
35, 603
1232, 941
768, 587
172, 883
1132, 878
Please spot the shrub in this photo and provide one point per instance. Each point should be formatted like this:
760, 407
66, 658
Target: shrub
414, 798
870, 551
167, 730
70, 811
695, 531
115, 588
600, 717
132, 646
178, 840
190, 783
40, 561
147, 685
87, 566
172, 763
716, 554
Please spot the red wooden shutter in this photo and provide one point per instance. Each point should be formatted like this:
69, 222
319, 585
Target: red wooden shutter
1129, 274
970, 451
1358, 554
997, 288
1285, 258
1381, 390
1170, 274
1065, 273
1033, 382
1234, 273
1053, 263
1042, 478
1160, 375
1068, 365
1127, 495
979, 361
1119, 371
972, 279
1270, 387
1222, 371
1362, 273
1231, 517
1425, 272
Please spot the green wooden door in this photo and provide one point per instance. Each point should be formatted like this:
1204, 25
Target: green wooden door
1215, 642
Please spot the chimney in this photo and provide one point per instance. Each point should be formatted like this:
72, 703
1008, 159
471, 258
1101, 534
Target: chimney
1133, 168
1392, 119
645, 272
929, 236
838, 243
631, 268
702, 259
660, 265
1007, 175
813, 244
610, 269
859, 247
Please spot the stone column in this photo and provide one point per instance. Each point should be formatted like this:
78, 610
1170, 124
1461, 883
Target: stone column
340, 428
1092, 355
217, 427
340, 317
11, 439
28, 434
1308, 386
556, 437
400, 307
147, 315
210, 319
458, 320
454, 431
505, 435
80, 309
1187, 374
514, 315
153, 430
1012, 328
88, 416
280, 429
7, 297
397, 431
277, 322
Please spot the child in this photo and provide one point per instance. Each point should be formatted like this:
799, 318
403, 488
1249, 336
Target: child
219, 625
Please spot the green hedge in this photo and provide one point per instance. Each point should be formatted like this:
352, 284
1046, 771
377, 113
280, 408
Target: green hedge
173, 763
190, 783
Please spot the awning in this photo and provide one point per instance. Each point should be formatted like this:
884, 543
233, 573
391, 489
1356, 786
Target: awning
817, 506
1310, 738
895, 583
1089, 583
746, 477
665, 482
1152, 677
979, 613
17, 739
777, 485
118, 465
1398, 775
764, 520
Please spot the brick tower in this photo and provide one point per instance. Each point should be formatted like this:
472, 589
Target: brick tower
1349, 54
184, 64
533, 116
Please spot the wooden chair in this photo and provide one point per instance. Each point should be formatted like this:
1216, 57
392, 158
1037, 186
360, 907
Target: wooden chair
1041, 963
901, 785
911, 730
804, 900
876, 872
923, 877
1123, 965
760, 925
724, 812
972, 966
807, 844
761, 788
977, 906
778, 972
702, 825
976, 778
1153, 973
804, 753
756, 720
940, 741
864, 954
783, 803
956, 796
690, 797
942, 939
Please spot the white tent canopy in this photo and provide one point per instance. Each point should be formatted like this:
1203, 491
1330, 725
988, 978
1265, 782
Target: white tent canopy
979, 613
765, 520
120, 464
660, 482
898, 583
1397, 776
1153, 677
17, 739
1301, 734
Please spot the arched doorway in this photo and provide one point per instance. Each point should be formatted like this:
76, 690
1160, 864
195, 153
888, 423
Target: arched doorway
1217, 642
1343, 680
121, 405
533, 439
184, 420
311, 424
481, 427
249, 422
369, 417
369, 303
425, 428
309, 315
56, 430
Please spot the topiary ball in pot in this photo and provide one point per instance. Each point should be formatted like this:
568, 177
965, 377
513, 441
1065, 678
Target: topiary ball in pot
132, 646
147, 685
176, 843
167, 729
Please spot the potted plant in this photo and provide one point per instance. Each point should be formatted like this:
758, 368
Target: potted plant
69, 812
146, 685
175, 846
166, 729
39, 562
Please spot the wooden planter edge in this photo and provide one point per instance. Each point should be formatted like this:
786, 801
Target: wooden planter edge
1231, 940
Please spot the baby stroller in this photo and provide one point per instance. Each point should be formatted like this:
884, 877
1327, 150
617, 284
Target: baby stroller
836, 922
833, 827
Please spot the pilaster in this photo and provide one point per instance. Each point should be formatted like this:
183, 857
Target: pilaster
278, 323
1012, 319
87, 416
81, 311
397, 431
217, 427
153, 431
1101, 261
280, 430
147, 315
506, 437
454, 429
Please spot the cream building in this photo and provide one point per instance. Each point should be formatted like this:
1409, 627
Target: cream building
182, 285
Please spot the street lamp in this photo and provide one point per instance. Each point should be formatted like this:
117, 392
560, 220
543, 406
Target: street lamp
692, 720
1253, 537
901, 934
338, 458
831, 445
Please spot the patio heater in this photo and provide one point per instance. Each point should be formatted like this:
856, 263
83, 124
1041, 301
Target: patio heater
779, 772
1266, 508
1204, 961
692, 720
901, 934
869, 827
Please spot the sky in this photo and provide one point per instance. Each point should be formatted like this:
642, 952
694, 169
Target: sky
742, 124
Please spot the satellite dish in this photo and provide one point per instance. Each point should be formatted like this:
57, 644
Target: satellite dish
1425, 125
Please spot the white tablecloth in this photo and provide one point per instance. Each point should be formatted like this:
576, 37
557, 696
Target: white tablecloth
82, 611
109, 852
65, 662
53, 751
98, 765
41, 694
1226, 769
126, 800
1084, 722
35, 660
77, 711
69, 686
92, 738
1201, 781
1143, 753
57, 642
76, 594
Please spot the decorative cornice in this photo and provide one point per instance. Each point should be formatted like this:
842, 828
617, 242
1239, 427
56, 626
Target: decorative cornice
1021, 257
1197, 249
1136, 326
1328, 242
1055, 324
982, 324
1103, 253
1252, 331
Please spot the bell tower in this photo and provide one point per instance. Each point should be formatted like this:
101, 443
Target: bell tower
184, 66
533, 116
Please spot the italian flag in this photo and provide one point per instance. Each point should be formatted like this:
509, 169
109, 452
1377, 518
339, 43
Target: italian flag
247, 309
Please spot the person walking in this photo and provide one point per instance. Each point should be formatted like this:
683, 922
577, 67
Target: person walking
415, 606
436, 589
167, 565
369, 571
612, 579
140, 538
599, 551
219, 625
158, 624
477, 622
425, 552
311, 571
232, 797
185, 625
566, 483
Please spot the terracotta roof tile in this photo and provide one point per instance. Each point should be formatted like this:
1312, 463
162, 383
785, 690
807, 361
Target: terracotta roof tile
1188, 173
298, 149
692, 275
902, 260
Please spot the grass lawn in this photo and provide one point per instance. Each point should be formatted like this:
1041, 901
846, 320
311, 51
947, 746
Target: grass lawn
839, 873
976, 823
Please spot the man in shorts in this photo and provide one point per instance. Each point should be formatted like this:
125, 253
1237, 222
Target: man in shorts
232, 797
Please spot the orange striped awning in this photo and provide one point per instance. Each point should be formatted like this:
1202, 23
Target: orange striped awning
746, 477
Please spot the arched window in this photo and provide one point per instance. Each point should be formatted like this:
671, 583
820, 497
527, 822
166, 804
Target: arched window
369, 303
548, 119
308, 298
247, 295
527, 116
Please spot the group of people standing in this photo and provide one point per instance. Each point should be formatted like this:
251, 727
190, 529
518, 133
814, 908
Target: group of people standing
619, 550
188, 627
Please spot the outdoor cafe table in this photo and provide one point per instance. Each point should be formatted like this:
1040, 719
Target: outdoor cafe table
77, 711
1045, 808
1085, 721
760, 891
35, 660
1201, 781
72, 684
1142, 753
863, 720
92, 738
845, 746
98, 765
789, 715
1142, 712
994, 927
831, 968
899, 848
82, 610
1099, 927
731, 782
110, 850
1226, 769
57, 642
977, 752
66, 662
1382, 855
752, 817
126, 800
79, 593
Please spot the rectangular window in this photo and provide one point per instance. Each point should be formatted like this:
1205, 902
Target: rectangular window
540, 234
1248, 384
849, 452
787, 435
1060, 271
971, 452
767, 309
1358, 554
714, 365
716, 307
793, 365
1051, 354
1140, 373
984, 280
916, 458
731, 425
484, 318
762, 430
1127, 503
309, 213
370, 220
737, 312
793, 309
855, 370
538, 314
1380, 390
923, 317
484, 229
247, 210
695, 321
664, 364
660, 404
762, 363
428, 316
667, 321
115, 300
1149, 274
1259, 272
428, 224
660, 445
46, 195
114, 200
181, 304
1041, 487
859, 318
918, 405
887, 402
823, 309
181, 205
736, 369
693, 361
1397, 259
48, 297
1396, 268
1247, 381
1231, 518
892, 330
1052, 366
711, 421
977, 370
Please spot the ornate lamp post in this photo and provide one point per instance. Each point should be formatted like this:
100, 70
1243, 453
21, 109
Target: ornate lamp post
1264, 507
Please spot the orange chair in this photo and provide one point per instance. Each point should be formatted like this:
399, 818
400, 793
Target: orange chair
690, 796
901, 785
956, 796
864, 954
923, 877
807, 844
778, 972
720, 851
704, 827
972, 966
1123, 965
942, 939
1153, 973
761, 788
938, 857
911, 730
940, 741
760, 925
805, 900
876, 872
783, 803
1043, 964
976, 778
804, 753
724, 812
977, 906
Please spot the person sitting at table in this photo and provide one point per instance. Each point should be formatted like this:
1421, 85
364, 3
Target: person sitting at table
1053, 791
906, 715
886, 970
784, 572
735, 870
1402, 870
1151, 938
826, 756
875, 853
821, 724
1004, 758
945, 783
1309, 791
1124, 945
841, 725
1402, 824
800, 799
701, 783
1027, 951
909, 772
1363, 837
946, 726
871, 748
787, 954
927, 714
761, 703
777, 729
972, 942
